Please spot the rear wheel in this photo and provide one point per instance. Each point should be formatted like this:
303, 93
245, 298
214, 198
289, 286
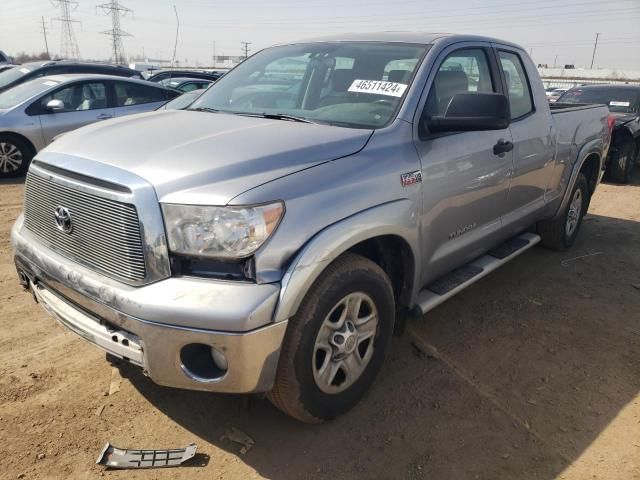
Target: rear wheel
560, 233
335, 344
15, 156
621, 162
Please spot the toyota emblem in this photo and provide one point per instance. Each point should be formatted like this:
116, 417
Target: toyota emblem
63, 220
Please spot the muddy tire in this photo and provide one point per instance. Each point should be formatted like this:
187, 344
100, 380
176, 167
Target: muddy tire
15, 156
561, 232
621, 162
336, 342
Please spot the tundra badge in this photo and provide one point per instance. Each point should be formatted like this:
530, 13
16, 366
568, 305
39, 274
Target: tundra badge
411, 178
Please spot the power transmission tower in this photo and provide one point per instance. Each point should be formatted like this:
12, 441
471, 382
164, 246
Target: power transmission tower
46, 43
69, 47
245, 47
115, 9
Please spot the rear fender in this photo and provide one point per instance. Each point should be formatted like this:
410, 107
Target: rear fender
594, 147
399, 218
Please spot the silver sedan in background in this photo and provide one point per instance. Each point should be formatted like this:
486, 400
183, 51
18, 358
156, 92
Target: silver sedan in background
33, 113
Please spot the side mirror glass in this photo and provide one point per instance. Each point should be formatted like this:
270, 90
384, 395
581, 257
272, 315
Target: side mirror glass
472, 111
55, 105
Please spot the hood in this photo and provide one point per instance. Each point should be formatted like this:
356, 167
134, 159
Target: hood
207, 158
621, 118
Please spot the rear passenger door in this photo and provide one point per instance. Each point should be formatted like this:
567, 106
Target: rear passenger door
531, 131
84, 103
134, 97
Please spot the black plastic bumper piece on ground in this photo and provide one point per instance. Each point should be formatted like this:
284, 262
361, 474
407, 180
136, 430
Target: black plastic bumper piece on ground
114, 457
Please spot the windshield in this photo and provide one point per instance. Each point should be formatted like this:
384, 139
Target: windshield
13, 74
352, 84
622, 100
18, 94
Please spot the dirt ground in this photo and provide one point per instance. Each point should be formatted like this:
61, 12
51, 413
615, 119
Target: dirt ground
534, 372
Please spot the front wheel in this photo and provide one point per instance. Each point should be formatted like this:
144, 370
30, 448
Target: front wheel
560, 233
336, 342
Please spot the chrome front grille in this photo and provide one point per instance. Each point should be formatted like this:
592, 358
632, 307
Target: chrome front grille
105, 234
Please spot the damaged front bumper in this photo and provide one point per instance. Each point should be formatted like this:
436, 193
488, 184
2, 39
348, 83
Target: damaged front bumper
184, 332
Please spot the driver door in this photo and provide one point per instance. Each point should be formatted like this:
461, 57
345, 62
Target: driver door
84, 103
465, 184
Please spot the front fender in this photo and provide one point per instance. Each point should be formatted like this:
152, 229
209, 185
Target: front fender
398, 218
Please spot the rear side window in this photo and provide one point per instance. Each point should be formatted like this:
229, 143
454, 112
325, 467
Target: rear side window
517, 84
128, 94
461, 72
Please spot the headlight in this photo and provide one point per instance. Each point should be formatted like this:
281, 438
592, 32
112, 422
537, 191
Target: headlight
221, 232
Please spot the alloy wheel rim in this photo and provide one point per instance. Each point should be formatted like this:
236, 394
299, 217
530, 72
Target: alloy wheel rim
10, 157
344, 344
575, 209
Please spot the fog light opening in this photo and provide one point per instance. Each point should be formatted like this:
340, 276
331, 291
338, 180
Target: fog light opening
203, 363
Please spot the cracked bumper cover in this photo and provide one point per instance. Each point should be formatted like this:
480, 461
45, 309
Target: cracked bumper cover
159, 319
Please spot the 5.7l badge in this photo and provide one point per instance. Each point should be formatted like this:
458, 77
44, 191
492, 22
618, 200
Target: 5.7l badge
411, 178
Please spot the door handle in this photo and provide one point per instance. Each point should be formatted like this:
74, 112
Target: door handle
502, 147
104, 116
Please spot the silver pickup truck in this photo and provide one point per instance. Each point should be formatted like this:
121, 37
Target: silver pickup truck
273, 236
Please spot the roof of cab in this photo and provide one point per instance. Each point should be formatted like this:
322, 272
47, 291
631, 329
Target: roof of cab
424, 38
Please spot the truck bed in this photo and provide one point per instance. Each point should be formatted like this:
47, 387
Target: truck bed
578, 124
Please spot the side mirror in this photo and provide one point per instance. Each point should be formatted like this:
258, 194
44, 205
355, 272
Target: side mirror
472, 111
55, 105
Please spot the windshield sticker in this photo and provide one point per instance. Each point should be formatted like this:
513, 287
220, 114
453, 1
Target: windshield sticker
391, 89
618, 104
50, 83
25, 70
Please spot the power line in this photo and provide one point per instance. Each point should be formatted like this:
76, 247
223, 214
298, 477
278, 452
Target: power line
46, 43
115, 9
69, 44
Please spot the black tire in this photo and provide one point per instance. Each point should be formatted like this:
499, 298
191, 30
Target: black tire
555, 233
296, 391
12, 149
621, 162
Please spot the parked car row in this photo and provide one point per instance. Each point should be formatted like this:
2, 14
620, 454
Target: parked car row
39, 101
33, 113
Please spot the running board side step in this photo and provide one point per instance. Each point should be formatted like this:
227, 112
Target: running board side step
446, 287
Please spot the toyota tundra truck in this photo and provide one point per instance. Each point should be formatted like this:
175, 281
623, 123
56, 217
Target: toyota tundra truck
273, 236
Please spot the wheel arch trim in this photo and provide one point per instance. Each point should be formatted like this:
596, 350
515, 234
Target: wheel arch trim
398, 218
594, 147
29, 143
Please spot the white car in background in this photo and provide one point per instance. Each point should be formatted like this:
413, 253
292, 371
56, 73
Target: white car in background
555, 94
33, 113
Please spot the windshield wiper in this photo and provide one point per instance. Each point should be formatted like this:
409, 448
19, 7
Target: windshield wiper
276, 116
204, 109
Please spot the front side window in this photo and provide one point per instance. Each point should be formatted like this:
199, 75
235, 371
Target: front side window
351, 84
128, 94
462, 71
517, 84
79, 97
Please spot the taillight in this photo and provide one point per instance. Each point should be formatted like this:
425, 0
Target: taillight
611, 122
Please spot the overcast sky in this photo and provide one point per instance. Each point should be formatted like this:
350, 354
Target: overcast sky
565, 28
